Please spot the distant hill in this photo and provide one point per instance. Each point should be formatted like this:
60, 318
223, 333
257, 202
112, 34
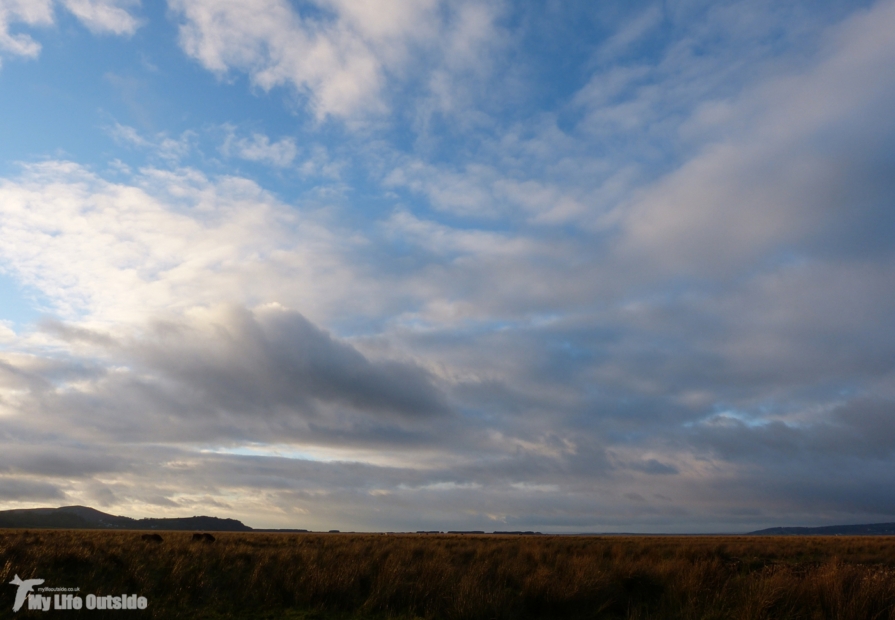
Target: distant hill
84, 518
871, 529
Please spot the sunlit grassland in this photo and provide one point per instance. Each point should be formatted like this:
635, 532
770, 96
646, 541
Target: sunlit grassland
260, 575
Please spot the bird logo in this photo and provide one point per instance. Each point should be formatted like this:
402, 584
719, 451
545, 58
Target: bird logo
24, 588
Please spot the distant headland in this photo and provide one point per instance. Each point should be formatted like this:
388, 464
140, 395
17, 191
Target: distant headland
85, 518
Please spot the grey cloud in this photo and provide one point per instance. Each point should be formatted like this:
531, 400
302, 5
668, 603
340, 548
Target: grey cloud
862, 428
34, 458
817, 491
25, 489
103, 495
349, 495
654, 467
872, 420
810, 163
75, 334
249, 362
734, 440
234, 374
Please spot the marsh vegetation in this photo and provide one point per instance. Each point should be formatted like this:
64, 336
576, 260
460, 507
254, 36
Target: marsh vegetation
267, 575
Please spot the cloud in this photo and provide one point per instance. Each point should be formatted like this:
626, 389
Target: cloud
327, 59
64, 462
217, 376
630, 33
32, 13
28, 490
102, 16
547, 196
808, 155
169, 150
273, 359
259, 148
114, 252
339, 55
654, 467
151, 281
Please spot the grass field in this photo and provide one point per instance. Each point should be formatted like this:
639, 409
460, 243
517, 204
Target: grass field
346, 576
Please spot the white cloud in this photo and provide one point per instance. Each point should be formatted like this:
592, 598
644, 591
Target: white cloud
30, 12
549, 194
319, 163
466, 193
114, 253
259, 148
329, 61
128, 135
7, 333
339, 54
171, 150
630, 33
440, 239
102, 16
98, 15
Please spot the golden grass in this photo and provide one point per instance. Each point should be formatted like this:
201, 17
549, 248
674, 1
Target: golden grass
248, 575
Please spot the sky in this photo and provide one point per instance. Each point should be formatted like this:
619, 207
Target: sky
398, 265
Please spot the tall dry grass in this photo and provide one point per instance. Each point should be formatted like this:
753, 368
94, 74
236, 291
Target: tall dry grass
464, 577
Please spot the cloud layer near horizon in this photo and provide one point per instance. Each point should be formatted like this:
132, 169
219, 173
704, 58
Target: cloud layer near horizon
449, 293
